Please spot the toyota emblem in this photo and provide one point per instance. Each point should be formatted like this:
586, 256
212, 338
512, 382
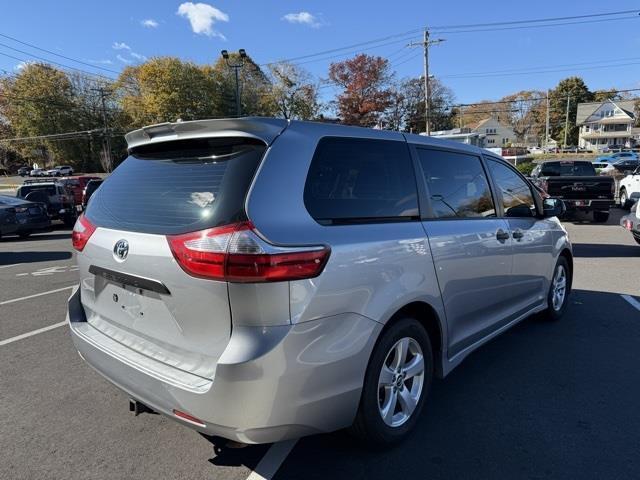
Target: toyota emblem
121, 249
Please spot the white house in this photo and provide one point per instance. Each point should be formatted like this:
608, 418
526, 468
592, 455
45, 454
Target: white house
606, 124
496, 134
462, 135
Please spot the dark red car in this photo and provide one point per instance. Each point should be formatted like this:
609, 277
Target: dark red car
77, 184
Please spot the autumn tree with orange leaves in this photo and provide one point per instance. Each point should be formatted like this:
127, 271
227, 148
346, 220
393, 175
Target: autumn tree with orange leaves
366, 83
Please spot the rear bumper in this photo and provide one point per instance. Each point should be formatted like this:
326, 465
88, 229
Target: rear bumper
588, 205
271, 383
34, 224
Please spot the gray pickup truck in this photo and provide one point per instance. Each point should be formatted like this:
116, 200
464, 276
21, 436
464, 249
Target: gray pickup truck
578, 185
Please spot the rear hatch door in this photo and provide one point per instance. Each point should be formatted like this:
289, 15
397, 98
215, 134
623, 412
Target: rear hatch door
132, 288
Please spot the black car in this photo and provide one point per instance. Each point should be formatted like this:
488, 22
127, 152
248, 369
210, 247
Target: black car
92, 186
21, 217
24, 171
56, 196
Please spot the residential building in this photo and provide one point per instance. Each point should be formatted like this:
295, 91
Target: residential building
463, 135
607, 124
496, 133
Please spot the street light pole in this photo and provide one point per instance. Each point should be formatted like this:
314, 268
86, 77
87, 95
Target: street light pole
236, 69
106, 136
426, 43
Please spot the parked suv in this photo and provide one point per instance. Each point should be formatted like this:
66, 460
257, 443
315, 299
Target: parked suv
57, 198
273, 279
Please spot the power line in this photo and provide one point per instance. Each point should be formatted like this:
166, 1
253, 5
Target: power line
444, 28
58, 54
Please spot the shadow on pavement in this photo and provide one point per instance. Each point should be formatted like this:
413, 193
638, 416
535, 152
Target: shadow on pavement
9, 258
543, 400
231, 454
597, 250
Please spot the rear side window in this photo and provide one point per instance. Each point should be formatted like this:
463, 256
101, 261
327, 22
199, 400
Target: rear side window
178, 187
360, 180
49, 189
457, 184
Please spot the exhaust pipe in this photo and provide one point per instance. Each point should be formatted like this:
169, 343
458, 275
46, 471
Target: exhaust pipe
137, 408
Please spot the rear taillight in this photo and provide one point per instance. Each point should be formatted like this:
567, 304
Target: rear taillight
82, 231
235, 253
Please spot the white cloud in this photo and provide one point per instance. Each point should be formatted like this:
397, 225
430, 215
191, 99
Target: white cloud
149, 23
120, 46
304, 18
101, 62
122, 59
139, 56
202, 17
22, 65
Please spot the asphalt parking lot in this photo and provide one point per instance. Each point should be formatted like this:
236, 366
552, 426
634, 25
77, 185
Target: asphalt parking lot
544, 400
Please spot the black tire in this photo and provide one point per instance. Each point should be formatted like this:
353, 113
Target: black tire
369, 425
600, 217
624, 199
553, 312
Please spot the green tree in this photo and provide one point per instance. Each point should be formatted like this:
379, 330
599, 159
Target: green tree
577, 92
40, 101
165, 89
255, 87
293, 94
610, 94
441, 115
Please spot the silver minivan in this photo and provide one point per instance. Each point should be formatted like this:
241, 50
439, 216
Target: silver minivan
262, 279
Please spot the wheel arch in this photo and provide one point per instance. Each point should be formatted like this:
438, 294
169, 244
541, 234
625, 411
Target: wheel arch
428, 317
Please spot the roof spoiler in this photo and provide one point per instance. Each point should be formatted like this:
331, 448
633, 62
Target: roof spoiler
265, 129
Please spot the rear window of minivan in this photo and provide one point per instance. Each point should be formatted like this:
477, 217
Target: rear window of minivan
178, 187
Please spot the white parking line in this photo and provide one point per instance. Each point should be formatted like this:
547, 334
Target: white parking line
632, 301
36, 295
12, 265
31, 334
272, 460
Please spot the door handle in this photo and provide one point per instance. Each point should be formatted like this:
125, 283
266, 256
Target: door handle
518, 234
502, 236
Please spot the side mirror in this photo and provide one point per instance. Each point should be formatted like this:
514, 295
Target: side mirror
553, 207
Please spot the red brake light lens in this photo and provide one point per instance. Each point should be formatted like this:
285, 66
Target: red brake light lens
82, 231
235, 253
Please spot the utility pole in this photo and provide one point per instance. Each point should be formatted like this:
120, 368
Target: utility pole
236, 66
106, 136
566, 121
546, 127
426, 43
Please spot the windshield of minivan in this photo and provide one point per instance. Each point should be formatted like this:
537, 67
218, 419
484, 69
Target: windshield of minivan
178, 187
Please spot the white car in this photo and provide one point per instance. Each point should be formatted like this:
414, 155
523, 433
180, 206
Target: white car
629, 191
64, 170
37, 172
602, 166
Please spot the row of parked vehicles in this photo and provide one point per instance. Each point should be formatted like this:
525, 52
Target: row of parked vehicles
57, 171
40, 201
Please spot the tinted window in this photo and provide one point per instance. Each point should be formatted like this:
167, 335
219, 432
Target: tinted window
24, 190
513, 191
567, 169
457, 184
177, 187
360, 180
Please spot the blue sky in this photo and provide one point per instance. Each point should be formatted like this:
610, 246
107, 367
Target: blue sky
112, 34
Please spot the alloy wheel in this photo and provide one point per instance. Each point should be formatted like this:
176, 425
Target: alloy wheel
401, 382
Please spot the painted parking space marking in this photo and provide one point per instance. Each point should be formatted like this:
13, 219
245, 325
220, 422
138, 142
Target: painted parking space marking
12, 265
632, 301
43, 272
31, 333
272, 460
13, 300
